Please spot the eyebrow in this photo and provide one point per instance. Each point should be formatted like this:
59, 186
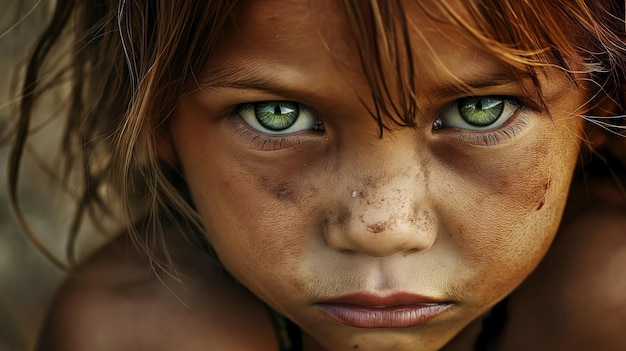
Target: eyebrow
245, 76
252, 76
485, 80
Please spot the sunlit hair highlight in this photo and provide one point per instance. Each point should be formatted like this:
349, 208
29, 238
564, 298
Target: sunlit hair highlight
576, 38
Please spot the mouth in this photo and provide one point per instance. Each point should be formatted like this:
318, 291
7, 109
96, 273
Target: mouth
399, 310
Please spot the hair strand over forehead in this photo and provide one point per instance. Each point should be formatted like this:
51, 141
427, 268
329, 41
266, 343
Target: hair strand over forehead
132, 60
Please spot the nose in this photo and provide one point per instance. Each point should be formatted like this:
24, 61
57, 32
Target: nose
382, 221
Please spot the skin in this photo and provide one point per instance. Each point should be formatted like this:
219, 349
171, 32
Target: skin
311, 215
321, 214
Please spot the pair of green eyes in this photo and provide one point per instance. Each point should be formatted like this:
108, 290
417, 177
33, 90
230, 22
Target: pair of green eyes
284, 117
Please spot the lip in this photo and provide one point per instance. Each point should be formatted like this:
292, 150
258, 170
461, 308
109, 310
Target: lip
399, 310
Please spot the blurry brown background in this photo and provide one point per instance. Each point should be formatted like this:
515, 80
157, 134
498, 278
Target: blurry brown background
27, 279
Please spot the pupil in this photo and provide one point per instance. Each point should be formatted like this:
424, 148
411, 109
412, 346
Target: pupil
277, 110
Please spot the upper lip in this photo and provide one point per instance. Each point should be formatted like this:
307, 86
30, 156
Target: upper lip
383, 301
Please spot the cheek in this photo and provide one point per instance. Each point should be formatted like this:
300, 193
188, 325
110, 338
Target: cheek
500, 212
255, 210
263, 220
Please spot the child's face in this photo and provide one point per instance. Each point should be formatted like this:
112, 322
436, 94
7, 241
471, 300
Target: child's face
306, 217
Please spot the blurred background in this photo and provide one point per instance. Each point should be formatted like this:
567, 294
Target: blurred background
27, 279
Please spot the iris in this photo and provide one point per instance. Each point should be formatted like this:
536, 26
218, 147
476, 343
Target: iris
276, 115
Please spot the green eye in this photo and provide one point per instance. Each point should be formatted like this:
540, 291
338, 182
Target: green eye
276, 116
478, 113
279, 117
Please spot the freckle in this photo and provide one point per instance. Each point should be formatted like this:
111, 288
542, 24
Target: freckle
368, 181
355, 347
425, 169
412, 218
427, 216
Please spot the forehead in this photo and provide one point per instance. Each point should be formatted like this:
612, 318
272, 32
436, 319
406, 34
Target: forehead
295, 34
305, 51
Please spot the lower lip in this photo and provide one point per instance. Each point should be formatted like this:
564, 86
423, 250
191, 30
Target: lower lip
403, 316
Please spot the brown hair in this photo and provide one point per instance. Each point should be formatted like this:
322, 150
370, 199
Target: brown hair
131, 60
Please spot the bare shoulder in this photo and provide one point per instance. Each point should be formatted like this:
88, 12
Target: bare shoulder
116, 301
575, 298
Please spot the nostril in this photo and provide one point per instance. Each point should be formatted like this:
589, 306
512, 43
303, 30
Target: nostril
411, 251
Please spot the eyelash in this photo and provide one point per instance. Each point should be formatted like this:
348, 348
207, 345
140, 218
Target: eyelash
260, 141
495, 137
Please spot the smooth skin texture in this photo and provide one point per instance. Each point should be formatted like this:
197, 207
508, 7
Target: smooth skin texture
313, 214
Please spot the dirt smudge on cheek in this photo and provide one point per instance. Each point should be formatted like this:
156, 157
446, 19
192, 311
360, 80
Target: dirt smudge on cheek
280, 190
540, 206
520, 181
542, 199
491, 196
283, 191
286, 191
274, 216
481, 176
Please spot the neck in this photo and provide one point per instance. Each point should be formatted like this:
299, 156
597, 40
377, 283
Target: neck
309, 344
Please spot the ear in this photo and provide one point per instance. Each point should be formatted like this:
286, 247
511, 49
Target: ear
165, 145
